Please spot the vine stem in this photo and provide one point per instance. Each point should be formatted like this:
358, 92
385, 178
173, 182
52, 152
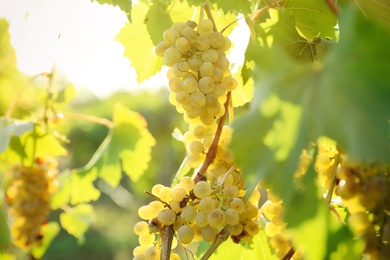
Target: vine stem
166, 234
211, 153
207, 9
333, 6
94, 119
221, 237
331, 187
289, 254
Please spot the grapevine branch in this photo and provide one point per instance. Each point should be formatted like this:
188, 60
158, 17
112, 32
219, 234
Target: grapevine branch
166, 234
221, 237
289, 254
210, 156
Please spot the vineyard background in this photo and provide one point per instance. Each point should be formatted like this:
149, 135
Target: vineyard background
298, 77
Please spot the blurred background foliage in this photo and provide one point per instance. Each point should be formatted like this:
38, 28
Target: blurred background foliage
111, 235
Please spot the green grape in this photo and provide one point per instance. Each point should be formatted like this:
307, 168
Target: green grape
210, 55
185, 234
229, 83
190, 34
217, 76
193, 160
201, 219
175, 206
274, 208
202, 43
165, 194
359, 222
196, 147
347, 189
271, 229
146, 239
227, 44
174, 256
183, 97
219, 89
194, 62
140, 228
209, 233
187, 183
182, 44
152, 253
206, 204
170, 35
231, 191
216, 218
252, 228
188, 213
139, 257
190, 85
171, 56
222, 63
206, 85
156, 189
177, 193
278, 241
216, 39
161, 47
206, 70
238, 205
198, 99
179, 27
205, 27
207, 118
212, 104
180, 69
231, 217
202, 189
154, 208
166, 217
139, 250
200, 131
237, 229
144, 212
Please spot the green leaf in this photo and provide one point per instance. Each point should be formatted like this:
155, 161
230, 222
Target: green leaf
49, 232
241, 6
5, 238
244, 92
66, 94
157, 20
139, 47
10, 127
124, 5
77, 220
82, 188
259, 248
62, 196
313, 18
7, 52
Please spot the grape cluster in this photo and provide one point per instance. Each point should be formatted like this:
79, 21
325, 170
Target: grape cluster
199, 77
365, 191
197, 211
28, 194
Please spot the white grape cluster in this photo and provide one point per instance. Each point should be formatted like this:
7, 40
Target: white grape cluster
199, 77
197, 211
29, 194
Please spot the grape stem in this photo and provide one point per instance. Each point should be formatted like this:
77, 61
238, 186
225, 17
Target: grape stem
166, 234
221, 237
157, 198
331, 187
211, 153
333, 6
207, 9
289, 254
94, 119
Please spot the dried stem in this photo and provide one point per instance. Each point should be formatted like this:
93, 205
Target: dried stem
289, 254
333, 6
166, 234
221, 237
94, 119
210, 156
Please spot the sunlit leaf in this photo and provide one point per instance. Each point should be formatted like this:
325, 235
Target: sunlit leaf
139, 47
81, 186
49, 232
77, 220
241, 6
10, 127
62, 195
124, 5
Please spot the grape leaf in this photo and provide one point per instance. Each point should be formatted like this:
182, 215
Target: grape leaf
129, 147
313, 18
241, 6
139, 47
49, 231
62, 196
81, 186
259, 248
124, 5
10, 127
157, 20
77, 220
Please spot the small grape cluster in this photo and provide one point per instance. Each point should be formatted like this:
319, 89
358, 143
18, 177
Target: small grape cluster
365, 191
199, 77
197, 212
28, 194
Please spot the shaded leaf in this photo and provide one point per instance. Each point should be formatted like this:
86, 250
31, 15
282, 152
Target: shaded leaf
77, 220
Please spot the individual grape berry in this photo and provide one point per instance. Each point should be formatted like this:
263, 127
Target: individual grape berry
202, 189
209, 233
207, 204
167, 217
140, 228
185, 234
187, 184
189, 213
170, 35
216, 218
198, 99
201, 219
177, 194
171, 56
152, 253
231, 217
205, 27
